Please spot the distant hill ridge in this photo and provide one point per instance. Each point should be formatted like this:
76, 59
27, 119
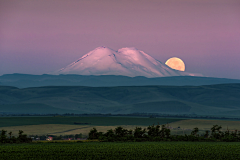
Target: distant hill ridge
27, 80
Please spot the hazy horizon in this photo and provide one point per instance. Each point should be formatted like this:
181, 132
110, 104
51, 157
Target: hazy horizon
38, 37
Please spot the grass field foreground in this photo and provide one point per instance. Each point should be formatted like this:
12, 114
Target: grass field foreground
137, 150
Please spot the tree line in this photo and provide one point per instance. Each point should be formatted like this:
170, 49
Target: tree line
151, 133
162, 133
21, 138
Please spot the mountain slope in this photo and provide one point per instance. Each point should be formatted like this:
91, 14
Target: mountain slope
126, 61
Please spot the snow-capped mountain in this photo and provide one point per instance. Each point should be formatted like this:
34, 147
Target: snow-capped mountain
126, 61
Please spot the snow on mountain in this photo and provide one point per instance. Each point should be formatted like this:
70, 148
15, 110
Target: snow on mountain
126, 61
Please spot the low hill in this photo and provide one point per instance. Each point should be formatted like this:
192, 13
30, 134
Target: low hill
220, 99
26, 80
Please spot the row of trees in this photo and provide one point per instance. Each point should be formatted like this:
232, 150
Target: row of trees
162, 133
151, 133
22, 138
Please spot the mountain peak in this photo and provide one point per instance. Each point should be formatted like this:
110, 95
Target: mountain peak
127, 49
127, 61
102, 48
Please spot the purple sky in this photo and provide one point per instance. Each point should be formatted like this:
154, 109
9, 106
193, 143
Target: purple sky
38, 37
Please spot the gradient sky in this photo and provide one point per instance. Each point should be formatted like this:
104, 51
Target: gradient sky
40, 36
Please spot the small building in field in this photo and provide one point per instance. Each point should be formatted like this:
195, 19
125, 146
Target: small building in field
49, 138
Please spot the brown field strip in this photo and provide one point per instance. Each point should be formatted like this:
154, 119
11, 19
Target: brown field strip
62, 129
203, 125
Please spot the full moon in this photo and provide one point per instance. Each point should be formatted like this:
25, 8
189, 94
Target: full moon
176, 63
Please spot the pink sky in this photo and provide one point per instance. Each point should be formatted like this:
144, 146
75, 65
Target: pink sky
38, 37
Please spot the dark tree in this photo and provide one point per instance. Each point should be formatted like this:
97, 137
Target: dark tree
195, 131
3, 137
139, 132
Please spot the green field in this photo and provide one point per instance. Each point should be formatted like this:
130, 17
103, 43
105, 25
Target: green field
131, 150
94, 121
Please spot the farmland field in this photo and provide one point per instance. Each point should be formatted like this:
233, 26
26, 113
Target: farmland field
203, 125
131, 150
65, 125
61, 129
